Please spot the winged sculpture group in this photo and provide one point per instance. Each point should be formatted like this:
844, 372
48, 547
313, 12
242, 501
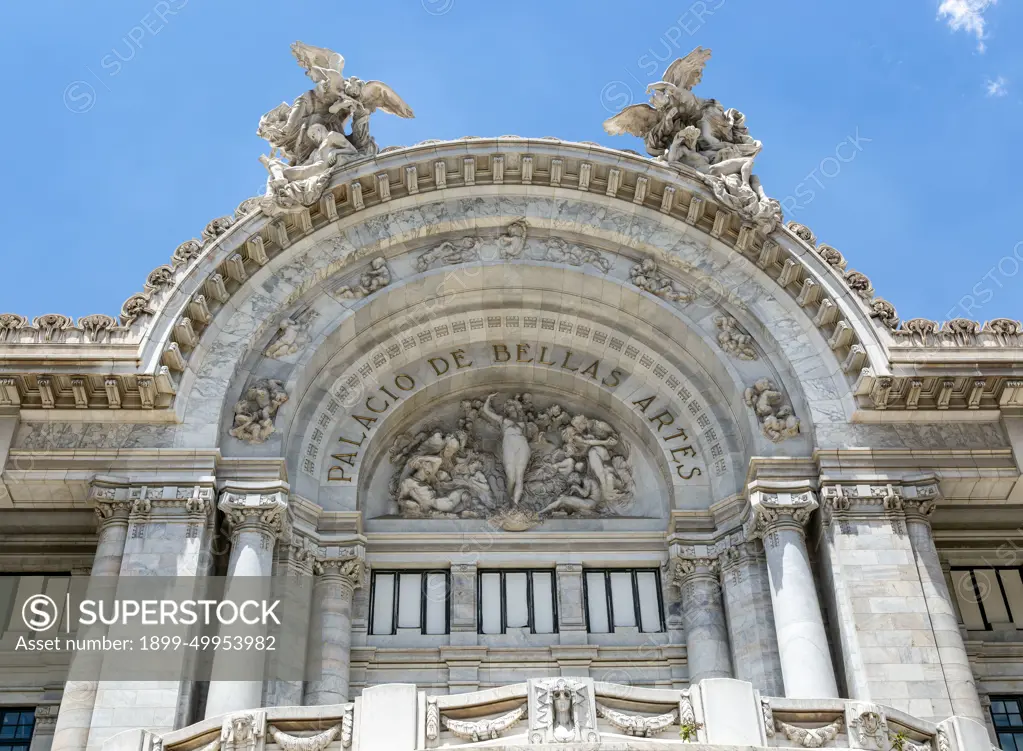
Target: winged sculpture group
328, 126
681, 128
322, 129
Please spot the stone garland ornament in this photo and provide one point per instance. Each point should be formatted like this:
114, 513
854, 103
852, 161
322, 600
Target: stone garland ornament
316, 742
376, 277
292, 335
308, 137
734, 340
255, 412
641, 726
551, 463
483, 730
810, 737
683, 129
648, 277
776, 418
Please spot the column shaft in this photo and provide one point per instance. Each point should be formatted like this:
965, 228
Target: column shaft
332, 645
707, 650
803, 650
256, 520
79, 699
747, 595
779, 519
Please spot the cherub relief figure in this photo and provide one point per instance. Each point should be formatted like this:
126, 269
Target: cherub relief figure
254, 414
776, 419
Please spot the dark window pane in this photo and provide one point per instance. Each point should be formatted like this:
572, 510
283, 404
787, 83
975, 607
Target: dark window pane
1006, 741
998, 706
7, 731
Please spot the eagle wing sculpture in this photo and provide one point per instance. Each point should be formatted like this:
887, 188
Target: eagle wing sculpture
636, 120
687, 71
377, 95
310, 57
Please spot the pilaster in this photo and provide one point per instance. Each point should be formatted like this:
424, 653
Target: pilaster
571, 606
167, 527
899, 638
463, 605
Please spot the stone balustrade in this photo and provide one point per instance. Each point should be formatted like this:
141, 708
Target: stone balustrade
568, 713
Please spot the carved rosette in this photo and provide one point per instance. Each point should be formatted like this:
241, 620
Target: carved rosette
774, 511
263, 512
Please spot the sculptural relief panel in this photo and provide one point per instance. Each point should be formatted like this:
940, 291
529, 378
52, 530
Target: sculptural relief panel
516, 459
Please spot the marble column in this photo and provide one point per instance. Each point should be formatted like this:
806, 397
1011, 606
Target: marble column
336, 582
703, 614
955, 664
747, 595
74, 718
256, 517
779, 517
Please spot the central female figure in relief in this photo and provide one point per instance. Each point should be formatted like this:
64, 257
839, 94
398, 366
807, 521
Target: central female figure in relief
514, 445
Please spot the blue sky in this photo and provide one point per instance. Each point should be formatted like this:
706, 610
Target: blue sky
891, 127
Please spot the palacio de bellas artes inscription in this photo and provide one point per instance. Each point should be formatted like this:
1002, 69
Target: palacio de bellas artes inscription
508, 443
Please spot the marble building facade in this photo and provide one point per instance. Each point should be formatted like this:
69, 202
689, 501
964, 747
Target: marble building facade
573, 446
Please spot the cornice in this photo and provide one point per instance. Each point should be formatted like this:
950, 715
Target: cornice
133, 363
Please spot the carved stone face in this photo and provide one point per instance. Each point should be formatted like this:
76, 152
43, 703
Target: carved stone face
563, 708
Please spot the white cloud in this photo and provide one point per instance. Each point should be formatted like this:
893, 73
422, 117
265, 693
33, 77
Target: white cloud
966, 15
997, 87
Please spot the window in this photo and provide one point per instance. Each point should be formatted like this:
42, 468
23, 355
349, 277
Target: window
516, 599
623, 598
1006, 712
409, 602
16, 729
989, 596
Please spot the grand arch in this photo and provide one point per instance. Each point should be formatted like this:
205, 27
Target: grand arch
692, 403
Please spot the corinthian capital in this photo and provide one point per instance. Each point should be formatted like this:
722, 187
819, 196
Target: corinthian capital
686, 570
349, 570
780, 505
256, 507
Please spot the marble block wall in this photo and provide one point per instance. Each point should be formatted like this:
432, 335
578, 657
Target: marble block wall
887, 647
